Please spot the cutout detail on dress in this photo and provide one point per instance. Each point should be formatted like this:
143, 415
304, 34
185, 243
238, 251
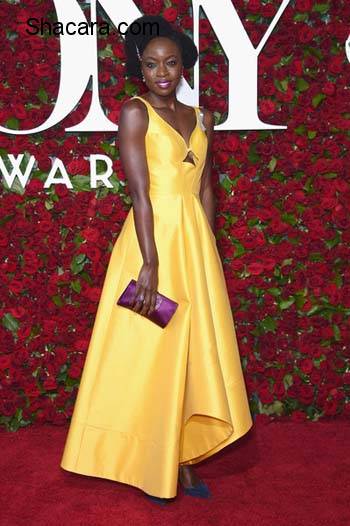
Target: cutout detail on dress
189, 158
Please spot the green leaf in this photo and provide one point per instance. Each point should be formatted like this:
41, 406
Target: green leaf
49, 205
315, 309
281, 85
284, 84
255, 290
106, 52
78, 239
317, 99
239, 249
316, 52
268, 324
300, 17
289, 218
274, 291
252, 154
286, 60
71, 382
301, 84
331, 243
42, 95
338, 280
287, 380
76, 285
337, 334
12, 123
285, 304
278, 176
10, 322
130, 88
225, 182
272, 164
57, 300
320, 8
308, 185
81, 183
79, 258
274, 408
301, 129
299, 302
253, 17
330, 175
78, 263
109, 149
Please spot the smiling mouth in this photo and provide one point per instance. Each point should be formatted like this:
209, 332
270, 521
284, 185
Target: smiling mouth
164, 83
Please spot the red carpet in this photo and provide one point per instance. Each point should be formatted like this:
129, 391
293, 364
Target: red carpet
288, 474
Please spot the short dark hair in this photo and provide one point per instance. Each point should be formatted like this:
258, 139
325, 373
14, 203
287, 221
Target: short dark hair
154, 26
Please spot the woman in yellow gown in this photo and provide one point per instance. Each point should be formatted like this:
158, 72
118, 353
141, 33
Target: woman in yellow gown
154, 401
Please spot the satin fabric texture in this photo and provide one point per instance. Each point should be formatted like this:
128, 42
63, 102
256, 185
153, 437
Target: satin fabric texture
149, 397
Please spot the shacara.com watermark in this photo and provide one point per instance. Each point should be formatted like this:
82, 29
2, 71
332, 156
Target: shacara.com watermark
42, 26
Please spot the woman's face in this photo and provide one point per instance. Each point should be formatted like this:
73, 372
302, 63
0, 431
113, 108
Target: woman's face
162, 65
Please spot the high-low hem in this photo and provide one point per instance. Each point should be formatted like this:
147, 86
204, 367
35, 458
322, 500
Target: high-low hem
95, 471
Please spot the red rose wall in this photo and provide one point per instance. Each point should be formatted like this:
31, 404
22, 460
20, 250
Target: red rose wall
282, 224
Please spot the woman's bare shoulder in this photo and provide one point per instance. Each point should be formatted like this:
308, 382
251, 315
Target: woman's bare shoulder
134, 107
133, 111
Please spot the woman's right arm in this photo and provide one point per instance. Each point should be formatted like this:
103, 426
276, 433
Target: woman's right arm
133, 123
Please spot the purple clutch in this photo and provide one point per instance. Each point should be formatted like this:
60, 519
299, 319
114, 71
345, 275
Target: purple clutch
163, 311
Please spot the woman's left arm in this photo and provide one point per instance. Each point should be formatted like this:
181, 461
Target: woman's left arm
206, 193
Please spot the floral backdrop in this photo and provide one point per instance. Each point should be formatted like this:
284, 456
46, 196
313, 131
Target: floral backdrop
283, 211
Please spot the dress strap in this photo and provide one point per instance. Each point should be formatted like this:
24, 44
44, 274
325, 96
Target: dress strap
201, 118
143, 100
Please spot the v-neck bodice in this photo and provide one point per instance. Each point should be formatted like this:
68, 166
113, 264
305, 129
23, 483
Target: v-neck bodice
166, 151
188, 146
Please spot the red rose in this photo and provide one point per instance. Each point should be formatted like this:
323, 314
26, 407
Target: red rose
330, 407
78, 166
42, 70
306, 394
254, 6
151, 7
170, 14
255, 268
50, 383
298, 416
204, 26
303, 5
336, 64
81, 345
91, 234
266, 397
267, 107
74, 371
306, 366
306, 34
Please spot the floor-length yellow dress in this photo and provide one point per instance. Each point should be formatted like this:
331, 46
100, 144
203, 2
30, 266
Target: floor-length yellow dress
151, 398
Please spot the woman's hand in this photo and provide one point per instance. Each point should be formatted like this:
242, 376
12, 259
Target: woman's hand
146, 289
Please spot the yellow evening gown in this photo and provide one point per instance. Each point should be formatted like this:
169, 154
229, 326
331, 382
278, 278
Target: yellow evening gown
151, 398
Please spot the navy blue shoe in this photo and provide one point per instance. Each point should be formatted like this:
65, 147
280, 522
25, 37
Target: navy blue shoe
158, 500
199, 490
